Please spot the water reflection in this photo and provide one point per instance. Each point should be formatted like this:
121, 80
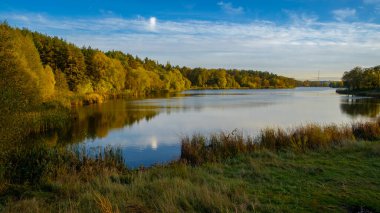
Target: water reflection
97, 121
360, 107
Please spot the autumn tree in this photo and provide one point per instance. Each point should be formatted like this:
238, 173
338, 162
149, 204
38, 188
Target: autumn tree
108, 74
23, 80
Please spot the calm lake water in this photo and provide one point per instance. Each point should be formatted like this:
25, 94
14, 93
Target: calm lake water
149, 131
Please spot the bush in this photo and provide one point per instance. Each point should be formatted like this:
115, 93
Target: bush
92, 98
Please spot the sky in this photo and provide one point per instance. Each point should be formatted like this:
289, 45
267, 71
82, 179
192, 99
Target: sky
295, 38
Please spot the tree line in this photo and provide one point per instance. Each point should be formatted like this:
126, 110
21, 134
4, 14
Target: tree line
333, 84
35, 68
362, 78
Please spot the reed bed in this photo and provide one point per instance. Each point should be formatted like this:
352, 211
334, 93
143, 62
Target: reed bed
199, 149
18, 125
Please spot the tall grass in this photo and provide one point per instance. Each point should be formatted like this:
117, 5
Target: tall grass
199, 149
37, 172
36, 164
18, 125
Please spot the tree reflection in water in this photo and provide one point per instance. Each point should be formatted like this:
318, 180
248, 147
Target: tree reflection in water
365, 107
96, 121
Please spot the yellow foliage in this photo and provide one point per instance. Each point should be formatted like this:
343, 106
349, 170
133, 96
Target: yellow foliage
47, 83
21, 69
109, 73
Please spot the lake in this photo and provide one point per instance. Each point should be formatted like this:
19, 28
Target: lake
148, 131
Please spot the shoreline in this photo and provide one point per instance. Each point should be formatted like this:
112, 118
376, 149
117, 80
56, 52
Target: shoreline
364, 93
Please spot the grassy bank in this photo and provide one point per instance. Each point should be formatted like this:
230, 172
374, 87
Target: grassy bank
339, 178
309, 168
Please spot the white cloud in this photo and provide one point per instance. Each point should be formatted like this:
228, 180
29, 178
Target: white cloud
294, 49
344, 14
230, 9
152, 23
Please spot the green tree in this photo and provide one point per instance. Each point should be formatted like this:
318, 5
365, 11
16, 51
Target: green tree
354, 78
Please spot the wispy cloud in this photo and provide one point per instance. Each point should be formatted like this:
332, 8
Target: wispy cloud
297, 49
301, 18
373, 3
344, 14
230, 9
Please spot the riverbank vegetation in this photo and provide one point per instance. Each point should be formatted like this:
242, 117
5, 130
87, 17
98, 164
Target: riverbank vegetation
332, 84
362, 82
307, 168
199, 149
362, 78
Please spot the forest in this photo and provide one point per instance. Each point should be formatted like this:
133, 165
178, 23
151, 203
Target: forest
37, 68
362, 78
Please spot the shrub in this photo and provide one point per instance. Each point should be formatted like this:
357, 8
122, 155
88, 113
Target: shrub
92, 98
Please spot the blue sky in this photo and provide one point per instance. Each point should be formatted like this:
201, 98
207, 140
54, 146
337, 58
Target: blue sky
296, 38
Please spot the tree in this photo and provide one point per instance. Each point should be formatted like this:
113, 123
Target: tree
20, 71
353, 79
47, 83
62, 56
175, 81
108, 74
376, 71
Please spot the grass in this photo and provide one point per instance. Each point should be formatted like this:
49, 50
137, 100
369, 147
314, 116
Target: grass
336, 179
36, 164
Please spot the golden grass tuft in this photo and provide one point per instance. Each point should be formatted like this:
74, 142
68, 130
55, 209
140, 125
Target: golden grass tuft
104, 204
